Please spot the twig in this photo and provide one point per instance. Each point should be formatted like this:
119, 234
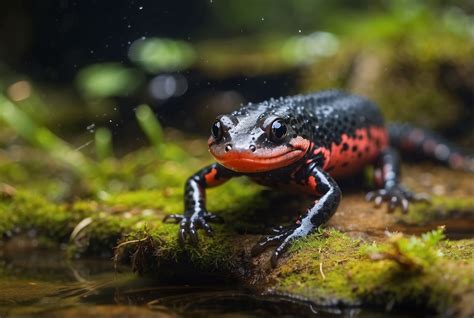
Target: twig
321, 270
131, 242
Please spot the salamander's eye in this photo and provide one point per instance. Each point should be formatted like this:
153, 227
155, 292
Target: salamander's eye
278, 130
216, 130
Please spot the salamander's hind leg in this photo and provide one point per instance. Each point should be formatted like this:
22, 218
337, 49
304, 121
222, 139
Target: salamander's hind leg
387, 177
319, 183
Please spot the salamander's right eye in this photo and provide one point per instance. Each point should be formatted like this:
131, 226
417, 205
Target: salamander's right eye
216, 130
278, 130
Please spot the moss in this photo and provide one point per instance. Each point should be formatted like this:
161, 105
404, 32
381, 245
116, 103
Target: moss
236, 202
334, 266
462, 250
414, 253
440, 208
110, 224
25, 212
153, 246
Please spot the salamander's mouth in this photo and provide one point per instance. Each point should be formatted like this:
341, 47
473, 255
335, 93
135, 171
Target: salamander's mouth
240, 162
247, 161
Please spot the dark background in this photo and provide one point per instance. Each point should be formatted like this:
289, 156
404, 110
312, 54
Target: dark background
50, 41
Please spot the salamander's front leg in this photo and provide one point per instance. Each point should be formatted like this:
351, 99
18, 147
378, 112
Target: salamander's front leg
387, 177
195, 214
321, 184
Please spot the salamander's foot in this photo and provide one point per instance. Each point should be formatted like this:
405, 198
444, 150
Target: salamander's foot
188, 225
283, 237
396, 196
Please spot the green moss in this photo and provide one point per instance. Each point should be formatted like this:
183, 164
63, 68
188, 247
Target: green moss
462, 250
414, 253
108, 224
26, 211
156, 243
236, 202
440, 208
400, 271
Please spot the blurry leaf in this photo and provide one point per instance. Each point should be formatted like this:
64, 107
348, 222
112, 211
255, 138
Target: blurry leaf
156, 55
150, 125
103, 143
108, 79
305, 49
42, 137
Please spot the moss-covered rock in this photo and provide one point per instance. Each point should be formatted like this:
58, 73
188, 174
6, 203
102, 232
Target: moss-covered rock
403, 270
352, 262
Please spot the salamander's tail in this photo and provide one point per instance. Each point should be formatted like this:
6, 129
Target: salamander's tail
426, 144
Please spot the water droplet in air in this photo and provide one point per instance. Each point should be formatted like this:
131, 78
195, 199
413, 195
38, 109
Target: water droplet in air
90, 128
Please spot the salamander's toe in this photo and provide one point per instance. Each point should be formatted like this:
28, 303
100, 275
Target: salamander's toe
176, 218
188, 226
282, 238
396, 196
267, 241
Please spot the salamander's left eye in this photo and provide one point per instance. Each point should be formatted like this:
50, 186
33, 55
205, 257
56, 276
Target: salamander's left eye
278, 130
216, 130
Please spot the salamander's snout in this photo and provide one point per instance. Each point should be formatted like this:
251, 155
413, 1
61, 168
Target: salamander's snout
228, 147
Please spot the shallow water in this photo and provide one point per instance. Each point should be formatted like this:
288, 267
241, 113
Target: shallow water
42, 282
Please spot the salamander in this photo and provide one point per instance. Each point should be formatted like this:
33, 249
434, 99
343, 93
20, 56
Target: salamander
307, 142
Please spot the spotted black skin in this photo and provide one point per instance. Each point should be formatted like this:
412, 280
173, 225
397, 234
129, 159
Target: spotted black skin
329, 134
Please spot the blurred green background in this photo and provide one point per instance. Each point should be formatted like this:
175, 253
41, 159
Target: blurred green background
77, 68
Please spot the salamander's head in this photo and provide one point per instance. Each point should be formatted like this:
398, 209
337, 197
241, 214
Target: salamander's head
256, 141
